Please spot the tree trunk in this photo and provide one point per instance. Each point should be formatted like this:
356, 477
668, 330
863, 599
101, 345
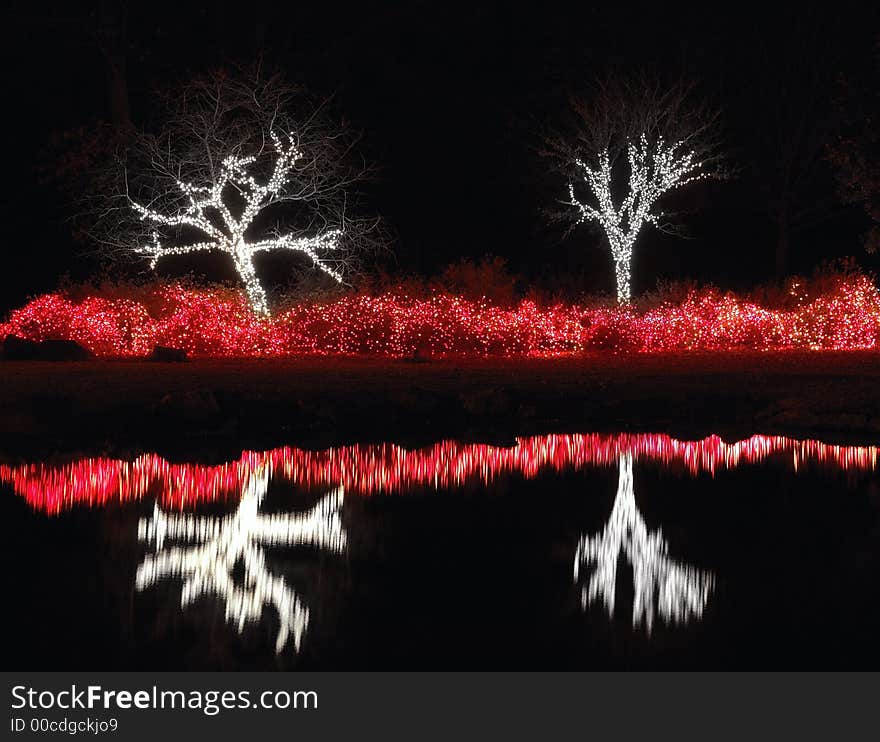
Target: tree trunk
622, 271
113, 42
117, 85
255, 294
783, 233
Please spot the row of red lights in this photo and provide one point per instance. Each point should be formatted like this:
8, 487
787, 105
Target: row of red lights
376, 468
220, 324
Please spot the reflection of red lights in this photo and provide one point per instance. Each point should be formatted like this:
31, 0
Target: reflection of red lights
219, 323
368, 469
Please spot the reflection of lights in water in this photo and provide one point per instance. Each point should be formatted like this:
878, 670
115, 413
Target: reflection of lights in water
373, 468
213, 546
679, 591
208, 549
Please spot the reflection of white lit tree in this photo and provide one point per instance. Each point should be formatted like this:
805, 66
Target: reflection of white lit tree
205, 552
632, 143
676, 591
239, 165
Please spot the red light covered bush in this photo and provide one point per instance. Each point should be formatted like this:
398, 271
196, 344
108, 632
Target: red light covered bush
218, 323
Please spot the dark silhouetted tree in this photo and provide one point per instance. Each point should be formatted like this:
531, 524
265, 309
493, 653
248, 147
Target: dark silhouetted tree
792, 76
855, 155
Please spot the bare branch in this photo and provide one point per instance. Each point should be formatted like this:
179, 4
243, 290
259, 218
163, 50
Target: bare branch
236, 156
628, 146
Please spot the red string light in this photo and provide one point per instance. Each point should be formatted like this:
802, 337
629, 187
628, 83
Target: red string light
377, 468
220, 324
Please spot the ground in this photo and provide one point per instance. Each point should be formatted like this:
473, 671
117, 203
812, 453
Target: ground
213, 408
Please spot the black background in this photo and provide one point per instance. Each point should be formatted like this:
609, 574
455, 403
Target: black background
450, 97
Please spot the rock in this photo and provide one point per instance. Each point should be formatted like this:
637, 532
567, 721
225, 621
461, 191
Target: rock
165, 354
19, 349
419, 355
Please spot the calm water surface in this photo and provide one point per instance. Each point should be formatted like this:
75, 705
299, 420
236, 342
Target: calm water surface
563, 551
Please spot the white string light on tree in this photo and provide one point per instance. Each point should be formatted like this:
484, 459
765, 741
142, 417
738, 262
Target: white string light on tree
630, 142
239, 162
227, 234
654, 169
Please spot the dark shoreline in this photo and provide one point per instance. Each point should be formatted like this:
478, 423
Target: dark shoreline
211, 410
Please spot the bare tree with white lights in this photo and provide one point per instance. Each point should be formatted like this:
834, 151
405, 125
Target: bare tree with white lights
241, 164
631, 143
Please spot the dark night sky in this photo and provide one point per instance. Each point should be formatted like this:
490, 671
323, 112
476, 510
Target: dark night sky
450, 96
